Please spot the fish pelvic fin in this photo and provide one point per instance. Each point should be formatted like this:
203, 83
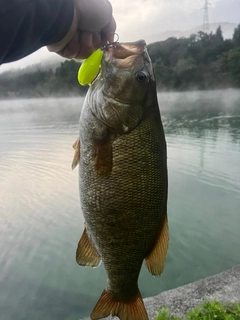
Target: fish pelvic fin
86, 254
156, 259
76, 157
124, 310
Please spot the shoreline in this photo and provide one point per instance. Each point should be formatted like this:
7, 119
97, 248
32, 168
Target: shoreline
223, 287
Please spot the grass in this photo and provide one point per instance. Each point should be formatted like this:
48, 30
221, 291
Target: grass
212, 310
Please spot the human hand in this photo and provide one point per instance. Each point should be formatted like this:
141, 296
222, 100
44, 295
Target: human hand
93, 25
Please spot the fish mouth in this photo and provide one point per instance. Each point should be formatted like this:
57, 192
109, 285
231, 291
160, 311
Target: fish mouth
124, 50
123, 54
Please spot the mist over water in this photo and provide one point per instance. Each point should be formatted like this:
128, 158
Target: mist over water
41, 219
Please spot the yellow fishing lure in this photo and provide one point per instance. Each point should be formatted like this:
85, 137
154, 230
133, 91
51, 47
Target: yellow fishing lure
89, 68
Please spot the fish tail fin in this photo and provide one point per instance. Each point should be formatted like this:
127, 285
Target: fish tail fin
124, 310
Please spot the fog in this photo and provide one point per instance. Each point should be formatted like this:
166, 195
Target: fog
207, 101
198, 104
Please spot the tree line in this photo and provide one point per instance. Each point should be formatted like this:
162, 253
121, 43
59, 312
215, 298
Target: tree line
201, 61
41, 83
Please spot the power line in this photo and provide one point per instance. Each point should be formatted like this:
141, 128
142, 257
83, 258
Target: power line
205, 17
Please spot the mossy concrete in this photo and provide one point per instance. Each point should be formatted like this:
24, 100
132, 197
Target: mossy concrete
224, 287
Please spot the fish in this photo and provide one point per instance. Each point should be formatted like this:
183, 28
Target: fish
123, 179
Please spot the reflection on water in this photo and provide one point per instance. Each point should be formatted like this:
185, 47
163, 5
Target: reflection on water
41, 221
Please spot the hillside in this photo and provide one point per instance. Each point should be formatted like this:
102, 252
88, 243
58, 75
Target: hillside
200, 62
227, 30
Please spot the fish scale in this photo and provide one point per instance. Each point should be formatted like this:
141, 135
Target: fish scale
123, 183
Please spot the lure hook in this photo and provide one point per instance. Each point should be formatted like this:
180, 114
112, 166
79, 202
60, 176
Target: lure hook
111, 43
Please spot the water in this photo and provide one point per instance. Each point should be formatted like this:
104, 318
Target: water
41, 220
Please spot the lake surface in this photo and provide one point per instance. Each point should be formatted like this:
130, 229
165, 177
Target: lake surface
41, 220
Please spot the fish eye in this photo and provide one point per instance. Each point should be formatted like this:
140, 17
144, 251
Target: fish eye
141, 76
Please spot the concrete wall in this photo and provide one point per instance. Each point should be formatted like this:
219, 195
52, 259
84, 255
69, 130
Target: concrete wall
224, 287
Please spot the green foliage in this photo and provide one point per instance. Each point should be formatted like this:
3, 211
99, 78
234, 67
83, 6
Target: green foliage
164, 75
164, 314
236, 35
212, 310
202, 61
219, 35
43, 83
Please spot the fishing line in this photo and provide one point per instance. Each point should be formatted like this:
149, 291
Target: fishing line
109, 44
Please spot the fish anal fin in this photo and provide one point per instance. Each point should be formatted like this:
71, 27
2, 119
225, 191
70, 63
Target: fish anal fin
130, 310
156, 259
102, 155
76, 157
86, 254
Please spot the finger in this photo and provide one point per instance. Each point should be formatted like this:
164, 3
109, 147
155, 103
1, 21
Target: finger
96, 40
66, 53
81, 46
73, 47
108, 31
86, 45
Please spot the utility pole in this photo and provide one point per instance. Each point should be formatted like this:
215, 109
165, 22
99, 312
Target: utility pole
205, 17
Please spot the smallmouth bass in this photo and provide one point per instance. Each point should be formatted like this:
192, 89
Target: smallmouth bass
123, 179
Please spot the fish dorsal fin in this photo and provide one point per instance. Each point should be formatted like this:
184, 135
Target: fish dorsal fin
76, 157
156, 259
86, 254
124, 310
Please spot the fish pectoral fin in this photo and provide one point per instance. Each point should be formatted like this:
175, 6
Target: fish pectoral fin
124, 310
76, 157
102, 155
86, 254
156, 259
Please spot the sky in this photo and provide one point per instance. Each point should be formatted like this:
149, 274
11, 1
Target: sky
140, 19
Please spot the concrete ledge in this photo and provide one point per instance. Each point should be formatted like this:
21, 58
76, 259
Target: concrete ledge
224, 287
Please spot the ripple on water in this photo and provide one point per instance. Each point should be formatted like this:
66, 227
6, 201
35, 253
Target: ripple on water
40, 215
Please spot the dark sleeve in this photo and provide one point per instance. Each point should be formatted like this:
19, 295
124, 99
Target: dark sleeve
27, 25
